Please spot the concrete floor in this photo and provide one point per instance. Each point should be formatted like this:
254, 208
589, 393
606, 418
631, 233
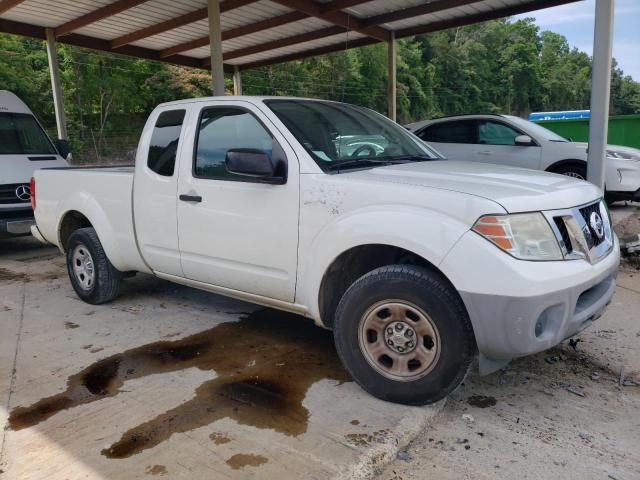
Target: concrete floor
170, 381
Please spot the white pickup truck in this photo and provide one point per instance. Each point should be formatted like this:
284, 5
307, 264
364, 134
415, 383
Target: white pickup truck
334, 212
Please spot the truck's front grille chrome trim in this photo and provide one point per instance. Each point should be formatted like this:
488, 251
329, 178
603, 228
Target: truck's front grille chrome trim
575, 234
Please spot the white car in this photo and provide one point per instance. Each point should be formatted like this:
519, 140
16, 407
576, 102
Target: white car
510, 140
418, 264
24, 148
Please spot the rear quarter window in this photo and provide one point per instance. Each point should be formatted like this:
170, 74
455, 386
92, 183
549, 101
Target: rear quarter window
461, 131
164, 142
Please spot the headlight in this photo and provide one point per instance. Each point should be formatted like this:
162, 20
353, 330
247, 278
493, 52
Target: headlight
612, 153
526, 236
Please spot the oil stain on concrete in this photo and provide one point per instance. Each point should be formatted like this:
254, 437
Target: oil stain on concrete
219, 438
156, 470
481, 401
264, 363
242, 460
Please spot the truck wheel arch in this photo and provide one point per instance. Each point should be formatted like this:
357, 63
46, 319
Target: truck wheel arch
93, 216
71, 221
355, 262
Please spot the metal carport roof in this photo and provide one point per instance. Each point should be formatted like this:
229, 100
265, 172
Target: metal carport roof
234, 35
254, 32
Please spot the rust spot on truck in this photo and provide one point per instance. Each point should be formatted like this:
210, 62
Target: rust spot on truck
264, 364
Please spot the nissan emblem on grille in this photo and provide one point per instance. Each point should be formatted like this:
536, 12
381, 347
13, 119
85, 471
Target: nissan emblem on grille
23, 193
596, 224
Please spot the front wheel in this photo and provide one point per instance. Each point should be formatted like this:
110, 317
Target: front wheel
404, 335
92, 276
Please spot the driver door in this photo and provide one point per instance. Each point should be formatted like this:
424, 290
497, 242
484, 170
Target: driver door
236, 232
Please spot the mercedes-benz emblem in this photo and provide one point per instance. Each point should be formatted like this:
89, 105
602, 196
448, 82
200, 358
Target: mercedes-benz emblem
596, 224
23, 193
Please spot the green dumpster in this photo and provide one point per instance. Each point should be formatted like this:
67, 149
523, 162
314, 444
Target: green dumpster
623, 129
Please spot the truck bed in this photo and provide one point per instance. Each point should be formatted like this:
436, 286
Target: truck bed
100, 193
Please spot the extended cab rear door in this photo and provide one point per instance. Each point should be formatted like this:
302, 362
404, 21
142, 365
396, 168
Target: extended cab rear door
235, 231
155, 189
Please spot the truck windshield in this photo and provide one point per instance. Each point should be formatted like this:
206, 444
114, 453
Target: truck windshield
20, 134
340, 136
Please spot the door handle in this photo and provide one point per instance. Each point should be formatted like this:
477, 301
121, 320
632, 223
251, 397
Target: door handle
190, 198
484, 153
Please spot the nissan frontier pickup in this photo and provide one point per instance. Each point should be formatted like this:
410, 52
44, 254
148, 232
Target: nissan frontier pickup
419, 265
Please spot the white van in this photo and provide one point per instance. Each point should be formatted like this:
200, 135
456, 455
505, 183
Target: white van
24, 148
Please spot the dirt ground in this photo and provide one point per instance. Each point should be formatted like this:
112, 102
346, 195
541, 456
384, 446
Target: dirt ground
563, 414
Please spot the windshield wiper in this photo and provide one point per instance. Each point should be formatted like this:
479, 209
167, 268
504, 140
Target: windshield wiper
362, 161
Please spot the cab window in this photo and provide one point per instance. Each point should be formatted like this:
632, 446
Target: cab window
222, 129
164, 142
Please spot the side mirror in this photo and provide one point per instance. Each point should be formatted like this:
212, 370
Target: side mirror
251, 162
63, 147
524, 141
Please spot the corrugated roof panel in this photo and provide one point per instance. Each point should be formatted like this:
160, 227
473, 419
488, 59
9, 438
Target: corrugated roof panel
283, 31
176, 36
300, 47
144, 15
233, 18
378, 7
52, 13
449, 14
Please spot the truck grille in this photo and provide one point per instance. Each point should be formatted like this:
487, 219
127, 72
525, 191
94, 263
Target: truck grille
583, 232
9, 193
590, 235
564, 234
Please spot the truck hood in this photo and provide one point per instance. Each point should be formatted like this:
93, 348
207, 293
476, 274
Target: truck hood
515, 189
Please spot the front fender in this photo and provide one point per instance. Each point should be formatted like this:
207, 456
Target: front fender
424, 232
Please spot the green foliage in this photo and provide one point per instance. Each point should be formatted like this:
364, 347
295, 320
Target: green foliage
497, 66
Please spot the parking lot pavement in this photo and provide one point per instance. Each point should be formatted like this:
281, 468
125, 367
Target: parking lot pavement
170, 381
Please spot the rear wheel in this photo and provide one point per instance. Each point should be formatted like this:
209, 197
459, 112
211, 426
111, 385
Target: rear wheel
92, 276
404, 335
574, 170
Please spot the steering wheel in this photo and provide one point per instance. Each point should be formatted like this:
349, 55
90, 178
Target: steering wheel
369, 149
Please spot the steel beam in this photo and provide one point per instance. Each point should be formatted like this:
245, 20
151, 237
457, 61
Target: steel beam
391, 94
237, 81
600, 90
54, 70
215, 42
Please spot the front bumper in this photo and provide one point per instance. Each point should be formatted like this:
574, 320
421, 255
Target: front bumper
518, 308
15, 226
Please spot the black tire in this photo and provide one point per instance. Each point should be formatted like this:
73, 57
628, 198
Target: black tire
431, 293
575, 170
106, 279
